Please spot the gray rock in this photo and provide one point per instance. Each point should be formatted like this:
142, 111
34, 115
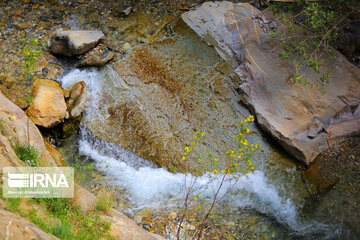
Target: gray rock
285, 110
74, 42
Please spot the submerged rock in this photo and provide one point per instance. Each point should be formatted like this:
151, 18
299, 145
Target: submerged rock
154, 101
298, 117
48, 107
74, 42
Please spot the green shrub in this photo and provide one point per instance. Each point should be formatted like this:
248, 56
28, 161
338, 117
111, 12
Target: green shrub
72, 223
62, 230
321, 23
28, 99
58, 206
30, 159
38, 221
12, 204
104, 203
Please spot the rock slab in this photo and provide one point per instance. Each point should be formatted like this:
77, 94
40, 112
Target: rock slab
74, 42
298, 117
13, 227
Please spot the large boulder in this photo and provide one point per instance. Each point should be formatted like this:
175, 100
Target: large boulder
298, 117
74, 42
48, 107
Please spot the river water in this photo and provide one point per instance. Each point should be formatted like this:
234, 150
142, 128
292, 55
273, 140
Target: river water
271, 198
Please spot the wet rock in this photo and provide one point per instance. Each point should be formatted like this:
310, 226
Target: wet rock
285, 110
77, 99
48, 107
71, 127
60, 161
74, 42
97, 57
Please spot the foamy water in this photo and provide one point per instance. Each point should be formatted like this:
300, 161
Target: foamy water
148, 186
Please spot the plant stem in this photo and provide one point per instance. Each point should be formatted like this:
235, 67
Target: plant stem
28, 135
199, 232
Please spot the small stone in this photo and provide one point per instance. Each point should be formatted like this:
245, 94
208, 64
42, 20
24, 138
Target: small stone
126, 47
264, 19
273, 25
127, 11
146, 227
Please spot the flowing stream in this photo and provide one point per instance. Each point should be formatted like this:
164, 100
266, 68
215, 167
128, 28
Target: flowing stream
262, 195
